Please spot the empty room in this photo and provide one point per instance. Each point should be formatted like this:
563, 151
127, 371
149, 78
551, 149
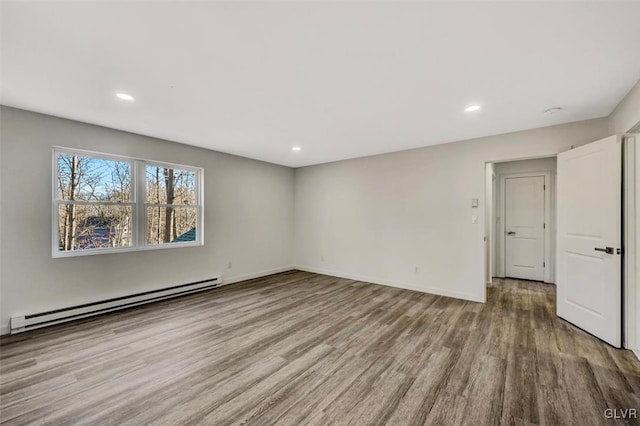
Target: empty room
319, 212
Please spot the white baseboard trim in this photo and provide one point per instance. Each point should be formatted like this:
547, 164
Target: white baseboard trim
259, 274
4, 329
393, 283
636, 353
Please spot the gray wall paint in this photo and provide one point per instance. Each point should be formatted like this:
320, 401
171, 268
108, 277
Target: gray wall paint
627, 114
248, 219
526, 166
380, 217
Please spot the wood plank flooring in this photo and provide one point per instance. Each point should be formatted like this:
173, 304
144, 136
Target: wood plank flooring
300, 348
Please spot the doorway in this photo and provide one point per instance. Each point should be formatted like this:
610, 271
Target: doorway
523, 219
597, 236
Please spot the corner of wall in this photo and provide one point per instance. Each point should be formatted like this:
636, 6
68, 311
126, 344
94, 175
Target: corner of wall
626, 114
438, 291
294, 219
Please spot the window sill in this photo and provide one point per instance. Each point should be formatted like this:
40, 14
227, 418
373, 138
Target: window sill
91, 252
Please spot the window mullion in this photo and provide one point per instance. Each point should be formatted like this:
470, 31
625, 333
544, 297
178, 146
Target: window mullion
95, 203
200, 202
141, 195
171, 205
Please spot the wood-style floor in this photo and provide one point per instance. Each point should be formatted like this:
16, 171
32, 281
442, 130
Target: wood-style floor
300, 348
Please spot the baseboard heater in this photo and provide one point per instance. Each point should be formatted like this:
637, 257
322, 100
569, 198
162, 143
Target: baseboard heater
43, 319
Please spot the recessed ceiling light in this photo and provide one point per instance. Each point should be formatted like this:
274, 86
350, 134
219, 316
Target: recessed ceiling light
552, 110
296, 148
472, 108
125, 97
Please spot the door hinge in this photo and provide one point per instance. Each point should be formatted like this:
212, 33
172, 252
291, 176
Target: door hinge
544, 187
544, 226
544, 264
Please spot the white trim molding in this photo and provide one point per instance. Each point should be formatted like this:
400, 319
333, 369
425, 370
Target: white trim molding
393, 283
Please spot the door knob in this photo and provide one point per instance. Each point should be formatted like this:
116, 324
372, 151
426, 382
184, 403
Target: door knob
608, 250
511, 233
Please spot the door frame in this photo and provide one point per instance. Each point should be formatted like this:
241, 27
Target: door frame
631, 242
548, 277
495, 231
489, 222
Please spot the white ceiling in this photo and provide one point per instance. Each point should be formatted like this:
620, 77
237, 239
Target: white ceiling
341, 80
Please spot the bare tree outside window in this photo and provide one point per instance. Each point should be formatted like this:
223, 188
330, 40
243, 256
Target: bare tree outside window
171, 205
103, 203
95, 208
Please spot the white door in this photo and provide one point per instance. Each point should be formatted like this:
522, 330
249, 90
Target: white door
589, 235
524, 227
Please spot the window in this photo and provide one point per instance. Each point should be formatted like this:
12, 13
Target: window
105, 203
171, 204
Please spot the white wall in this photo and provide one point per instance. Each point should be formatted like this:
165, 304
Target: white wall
248, 219
378, 218
539, 165
627, 114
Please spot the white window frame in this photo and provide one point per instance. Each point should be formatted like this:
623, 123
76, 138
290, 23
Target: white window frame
137, 202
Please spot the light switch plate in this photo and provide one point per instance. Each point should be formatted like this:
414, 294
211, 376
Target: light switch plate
474, 202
